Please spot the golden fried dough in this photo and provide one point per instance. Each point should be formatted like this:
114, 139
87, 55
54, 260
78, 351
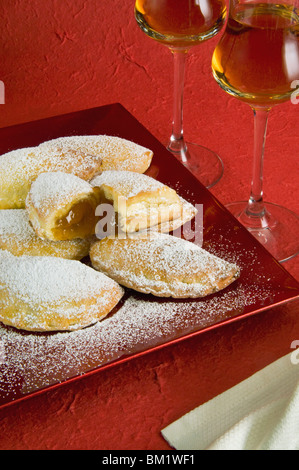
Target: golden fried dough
53, 294
163, 265
115, 152
83, 156
18, 237
19, 168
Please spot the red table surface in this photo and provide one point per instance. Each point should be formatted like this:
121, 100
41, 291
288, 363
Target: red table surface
96, 63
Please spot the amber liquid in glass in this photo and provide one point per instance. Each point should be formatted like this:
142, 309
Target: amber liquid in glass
257, 58
180, 23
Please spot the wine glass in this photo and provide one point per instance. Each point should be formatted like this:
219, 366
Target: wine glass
257, 61
181, 24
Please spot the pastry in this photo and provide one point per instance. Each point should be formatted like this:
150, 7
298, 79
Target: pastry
83, 156
18, 237
115, 152
53, 294
188, 212
163, 265
19, 168
62, 206
141, 202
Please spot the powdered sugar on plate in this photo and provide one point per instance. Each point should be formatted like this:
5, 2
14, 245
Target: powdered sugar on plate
140, 322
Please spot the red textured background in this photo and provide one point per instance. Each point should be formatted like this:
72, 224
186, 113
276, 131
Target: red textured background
58, 57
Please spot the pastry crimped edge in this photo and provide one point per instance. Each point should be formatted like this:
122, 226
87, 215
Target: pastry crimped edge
44, 294
155, 264
19, 238
47, 203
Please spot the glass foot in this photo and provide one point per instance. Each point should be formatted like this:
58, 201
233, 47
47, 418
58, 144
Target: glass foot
203, 163
277, 230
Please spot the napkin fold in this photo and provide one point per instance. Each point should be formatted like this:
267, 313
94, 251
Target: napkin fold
260, 413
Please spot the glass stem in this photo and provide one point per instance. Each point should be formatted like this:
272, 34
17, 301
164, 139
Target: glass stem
256, 206
177, 144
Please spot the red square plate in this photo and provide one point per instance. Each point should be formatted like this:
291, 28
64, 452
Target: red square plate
31, 363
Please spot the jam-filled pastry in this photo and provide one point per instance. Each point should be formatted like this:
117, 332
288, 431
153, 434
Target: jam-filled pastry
141, 202
115, 152
83, 156
53, 294
62, 207
162, 265
18, 237
19, 168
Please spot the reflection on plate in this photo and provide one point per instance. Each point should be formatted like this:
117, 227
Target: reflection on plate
30, 362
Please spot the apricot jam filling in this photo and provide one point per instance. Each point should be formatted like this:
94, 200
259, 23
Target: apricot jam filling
79, 222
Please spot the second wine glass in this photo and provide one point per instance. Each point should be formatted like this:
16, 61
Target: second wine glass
257, 62
180, 25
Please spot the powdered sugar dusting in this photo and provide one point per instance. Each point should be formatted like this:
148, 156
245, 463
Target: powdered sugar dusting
140, 323
15, 222
43, 289
32, 361
127, 183
83, 156
56, 189
18, 237
27, 161
163, 265
106, 145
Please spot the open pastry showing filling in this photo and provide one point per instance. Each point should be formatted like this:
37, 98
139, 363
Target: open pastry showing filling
19, 168
84, 156
62, 207
77, 221
139, 201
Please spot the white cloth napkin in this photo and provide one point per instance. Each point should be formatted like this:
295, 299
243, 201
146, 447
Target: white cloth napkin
260, 413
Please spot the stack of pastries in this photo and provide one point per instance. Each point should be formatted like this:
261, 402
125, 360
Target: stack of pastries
81, 196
